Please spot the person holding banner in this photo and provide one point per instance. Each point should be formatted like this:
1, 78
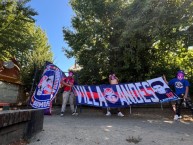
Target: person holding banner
113, 80
181, 87
68, 94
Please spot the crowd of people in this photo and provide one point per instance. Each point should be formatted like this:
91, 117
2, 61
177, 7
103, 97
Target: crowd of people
180, 84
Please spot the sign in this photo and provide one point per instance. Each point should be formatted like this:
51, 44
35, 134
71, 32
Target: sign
123, 95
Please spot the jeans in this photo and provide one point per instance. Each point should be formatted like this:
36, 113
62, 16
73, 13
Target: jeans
67, 96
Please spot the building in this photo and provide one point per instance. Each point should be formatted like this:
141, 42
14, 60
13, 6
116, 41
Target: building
9, 81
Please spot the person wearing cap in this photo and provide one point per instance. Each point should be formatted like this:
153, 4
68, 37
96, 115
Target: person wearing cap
68, 94
181, 87
113, 80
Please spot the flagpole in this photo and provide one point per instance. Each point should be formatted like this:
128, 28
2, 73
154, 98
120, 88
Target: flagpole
32, 86
33, 82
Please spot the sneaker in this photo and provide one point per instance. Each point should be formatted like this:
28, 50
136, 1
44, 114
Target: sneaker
108, 113
74, 113
191, 118
120, 114
175, 117
62, 114
180, 117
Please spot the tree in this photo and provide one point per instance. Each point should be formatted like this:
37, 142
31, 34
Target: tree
90, 39
15, 19
154, 33
22, 39
34, 60
138, 39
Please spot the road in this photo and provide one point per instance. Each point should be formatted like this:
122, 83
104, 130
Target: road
144, 126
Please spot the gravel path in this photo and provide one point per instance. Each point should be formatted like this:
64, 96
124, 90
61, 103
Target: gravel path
91, 127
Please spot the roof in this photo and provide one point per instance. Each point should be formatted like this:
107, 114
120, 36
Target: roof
75, 67
10, 71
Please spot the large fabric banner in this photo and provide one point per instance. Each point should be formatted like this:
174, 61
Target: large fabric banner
47, 88
123, 95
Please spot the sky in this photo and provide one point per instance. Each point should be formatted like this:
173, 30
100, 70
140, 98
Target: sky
52, 16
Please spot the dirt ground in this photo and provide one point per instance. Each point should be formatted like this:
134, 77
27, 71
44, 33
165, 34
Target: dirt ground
144, 126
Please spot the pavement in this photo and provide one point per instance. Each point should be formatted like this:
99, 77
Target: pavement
144, 126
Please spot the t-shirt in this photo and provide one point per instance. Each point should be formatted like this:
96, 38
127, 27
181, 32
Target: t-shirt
68, 80
179, 85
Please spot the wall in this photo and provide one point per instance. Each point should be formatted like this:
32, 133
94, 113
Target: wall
20, 124
9, 92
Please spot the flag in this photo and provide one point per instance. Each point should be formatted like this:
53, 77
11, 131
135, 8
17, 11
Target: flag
47, 88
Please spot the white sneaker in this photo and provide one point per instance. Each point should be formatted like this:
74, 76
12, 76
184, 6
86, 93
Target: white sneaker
74, 113
175, 117
180, 117
108, 113
120, 114
61, 114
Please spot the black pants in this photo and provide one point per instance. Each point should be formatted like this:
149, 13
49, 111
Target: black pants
179, 103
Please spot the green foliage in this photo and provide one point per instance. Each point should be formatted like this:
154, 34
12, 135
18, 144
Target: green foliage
15, 19
137, 39
90, 40
155, 35
34, 60
20, 38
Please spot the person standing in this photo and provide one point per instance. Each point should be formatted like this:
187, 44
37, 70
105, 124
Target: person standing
68, 94
181, 87
113, 80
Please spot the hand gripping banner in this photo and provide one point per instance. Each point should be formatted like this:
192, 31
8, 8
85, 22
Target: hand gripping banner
47, 88
123, 95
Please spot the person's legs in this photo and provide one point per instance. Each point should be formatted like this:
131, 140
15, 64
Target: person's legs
173, 104
71, 99
119, 112
65, 97
108, 112
178, 108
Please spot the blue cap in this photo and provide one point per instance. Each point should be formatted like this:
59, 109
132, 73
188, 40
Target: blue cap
181, 71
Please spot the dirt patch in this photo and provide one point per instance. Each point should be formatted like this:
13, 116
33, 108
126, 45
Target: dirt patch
20, 142
134, 140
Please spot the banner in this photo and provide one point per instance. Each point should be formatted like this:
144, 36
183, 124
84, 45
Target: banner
47, 88
123, 95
